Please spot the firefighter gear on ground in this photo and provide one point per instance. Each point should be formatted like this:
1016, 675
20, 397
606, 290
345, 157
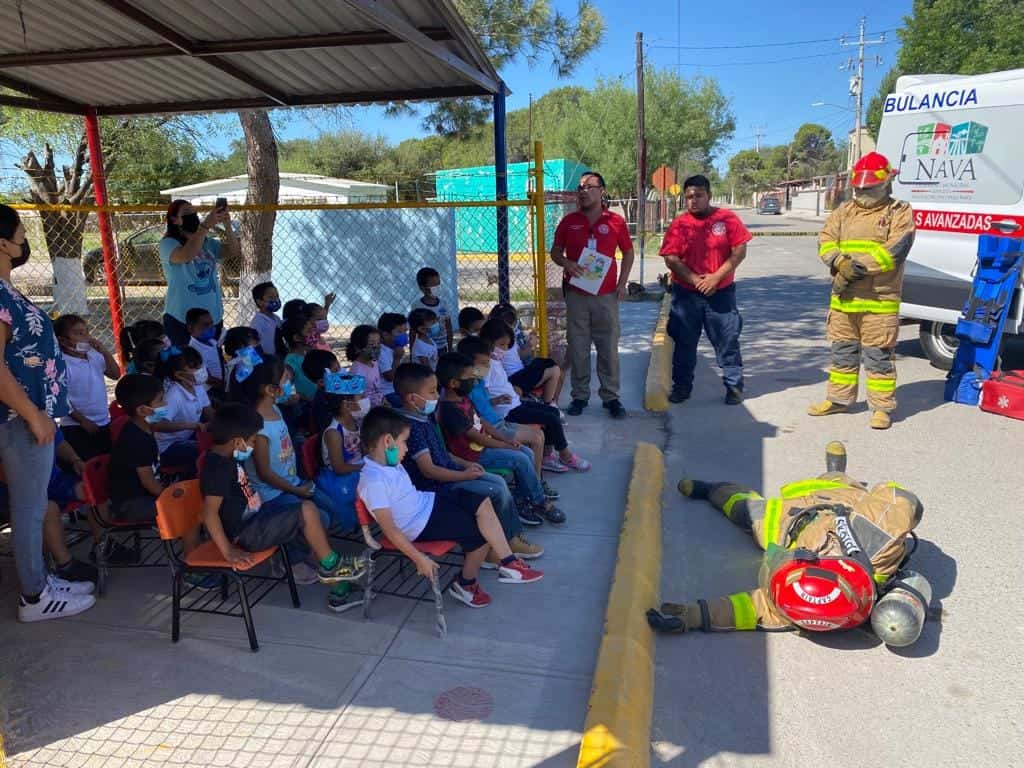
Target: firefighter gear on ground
823, 517
865, 243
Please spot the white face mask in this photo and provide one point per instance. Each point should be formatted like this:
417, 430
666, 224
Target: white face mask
364, 408
83, 347
434, 292
201, 376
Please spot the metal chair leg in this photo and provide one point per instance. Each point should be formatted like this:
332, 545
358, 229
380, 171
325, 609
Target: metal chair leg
223, 587
176, 577
442, 625
371, 561
290, 577
246, 612
101, 564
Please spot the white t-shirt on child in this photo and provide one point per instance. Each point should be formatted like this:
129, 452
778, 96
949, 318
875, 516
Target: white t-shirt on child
87, 391
383, 487
386, 362
497, 384
211, 358
182, 405
266, 326
427, 349
511, 361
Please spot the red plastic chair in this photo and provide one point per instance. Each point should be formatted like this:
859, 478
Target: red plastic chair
311, 456
116, 411
205, 440
179, 512
117, 425
377, 548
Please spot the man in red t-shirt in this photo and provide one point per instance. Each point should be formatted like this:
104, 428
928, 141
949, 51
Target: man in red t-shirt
593, 318
702, 249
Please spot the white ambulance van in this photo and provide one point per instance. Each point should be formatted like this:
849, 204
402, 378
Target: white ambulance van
958, 144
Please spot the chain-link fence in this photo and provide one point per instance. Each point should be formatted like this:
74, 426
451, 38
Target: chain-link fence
367, 254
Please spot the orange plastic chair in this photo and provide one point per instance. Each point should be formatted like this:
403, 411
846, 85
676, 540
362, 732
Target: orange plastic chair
178, 512
383, 547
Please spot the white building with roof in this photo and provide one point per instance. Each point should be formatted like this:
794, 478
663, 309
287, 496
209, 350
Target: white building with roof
295, 188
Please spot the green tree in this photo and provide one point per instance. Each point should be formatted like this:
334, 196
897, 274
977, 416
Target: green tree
953, 36
812, 153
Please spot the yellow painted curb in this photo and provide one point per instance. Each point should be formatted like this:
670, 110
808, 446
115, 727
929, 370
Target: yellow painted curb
618, 726
785, 234
659, 369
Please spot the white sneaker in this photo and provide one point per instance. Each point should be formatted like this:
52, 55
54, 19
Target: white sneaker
53, 604
62, 586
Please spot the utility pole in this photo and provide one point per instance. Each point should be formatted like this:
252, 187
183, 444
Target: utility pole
641, 152
529, 130
758, 133
857, 85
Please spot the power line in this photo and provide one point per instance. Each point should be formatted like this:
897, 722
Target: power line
760, 62
761, 45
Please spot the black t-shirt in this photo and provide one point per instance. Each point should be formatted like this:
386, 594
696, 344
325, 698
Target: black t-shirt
134, 448
223, 476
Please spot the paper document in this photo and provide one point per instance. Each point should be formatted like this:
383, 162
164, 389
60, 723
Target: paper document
596, 266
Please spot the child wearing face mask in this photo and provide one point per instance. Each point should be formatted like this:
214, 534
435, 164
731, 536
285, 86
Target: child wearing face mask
363, 351
135, 459
136, 334
429, 281
87, 428
266, 320
203, 339
423, 323
187, 408
318, 314
261, 384
394, 340
235, 340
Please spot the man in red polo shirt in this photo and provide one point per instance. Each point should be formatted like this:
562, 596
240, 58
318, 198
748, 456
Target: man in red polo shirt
702, 249
593, 319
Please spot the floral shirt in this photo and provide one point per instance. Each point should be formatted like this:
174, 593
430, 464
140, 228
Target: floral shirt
32, 355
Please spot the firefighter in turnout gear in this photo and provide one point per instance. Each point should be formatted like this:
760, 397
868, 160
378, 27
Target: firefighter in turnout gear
865, 243
832, 546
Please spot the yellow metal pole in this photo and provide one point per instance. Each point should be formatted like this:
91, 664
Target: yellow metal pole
541, 251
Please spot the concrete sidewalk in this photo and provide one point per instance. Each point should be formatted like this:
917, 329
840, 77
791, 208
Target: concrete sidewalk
508, 686
756, 699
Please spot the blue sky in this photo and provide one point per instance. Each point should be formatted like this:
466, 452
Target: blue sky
775, 95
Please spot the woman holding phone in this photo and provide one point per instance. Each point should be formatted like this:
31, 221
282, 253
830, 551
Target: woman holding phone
190, 258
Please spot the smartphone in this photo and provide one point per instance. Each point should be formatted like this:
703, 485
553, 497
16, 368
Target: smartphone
221, 204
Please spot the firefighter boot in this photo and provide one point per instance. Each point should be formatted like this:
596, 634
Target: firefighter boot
826, 408
835, 457
880, 420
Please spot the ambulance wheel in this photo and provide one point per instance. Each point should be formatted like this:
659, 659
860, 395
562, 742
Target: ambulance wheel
939, 343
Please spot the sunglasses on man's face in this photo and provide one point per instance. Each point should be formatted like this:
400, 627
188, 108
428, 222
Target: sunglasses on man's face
585, 187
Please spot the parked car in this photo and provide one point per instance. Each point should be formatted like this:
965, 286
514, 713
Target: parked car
769, 205
139, 260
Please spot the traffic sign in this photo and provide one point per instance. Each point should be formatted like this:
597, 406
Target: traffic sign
663, 178
675, 189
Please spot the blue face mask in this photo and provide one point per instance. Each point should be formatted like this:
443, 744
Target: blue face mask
435, 330
159, 414
391, 455
273, 305
287, 390
401, 340
429, 406
241, 456
208, 335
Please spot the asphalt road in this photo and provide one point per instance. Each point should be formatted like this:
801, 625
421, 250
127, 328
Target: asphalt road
756, 699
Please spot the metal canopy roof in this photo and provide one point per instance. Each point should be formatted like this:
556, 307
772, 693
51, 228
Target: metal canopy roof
151, 56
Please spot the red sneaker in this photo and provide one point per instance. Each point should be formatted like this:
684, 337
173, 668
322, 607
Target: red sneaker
518, 572
473, 595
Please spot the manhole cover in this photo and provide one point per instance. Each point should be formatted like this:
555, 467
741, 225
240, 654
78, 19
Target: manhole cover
461, 704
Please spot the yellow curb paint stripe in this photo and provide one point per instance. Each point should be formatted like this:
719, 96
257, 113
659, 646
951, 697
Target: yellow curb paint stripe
618, 725
659, 369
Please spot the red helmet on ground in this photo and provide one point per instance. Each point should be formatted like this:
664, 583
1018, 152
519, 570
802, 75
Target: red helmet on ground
871, 170
822, 594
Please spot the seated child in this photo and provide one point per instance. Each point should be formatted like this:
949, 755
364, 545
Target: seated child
272, 467
471, 320
428, 280
363, 351
431, 466
314, 364
135, 334
135, 460
318, 314
423, 323
340, 453
203, 339
292, 346
542, 372
529, 436
148, 356
87, 428
266, 322
187, 407
406, 514
235, 340
508, 405
467, 439
233, 514
394, 338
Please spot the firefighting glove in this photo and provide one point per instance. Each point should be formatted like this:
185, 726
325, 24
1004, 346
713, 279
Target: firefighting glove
850, 269
679, 618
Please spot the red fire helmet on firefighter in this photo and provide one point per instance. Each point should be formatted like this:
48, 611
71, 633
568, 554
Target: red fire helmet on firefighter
822, 594
871, 170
